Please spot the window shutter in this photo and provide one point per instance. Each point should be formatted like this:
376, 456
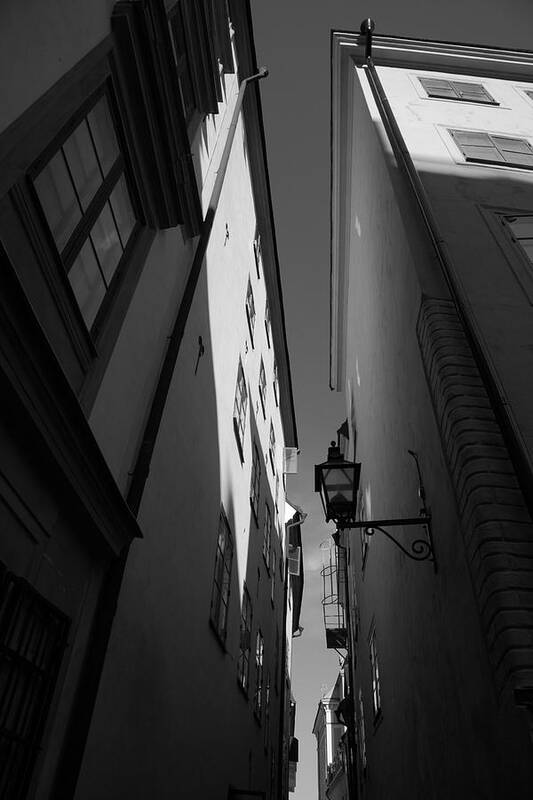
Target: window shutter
293, 559
474, 92
290, 460
476, 146
515, 151
437, 87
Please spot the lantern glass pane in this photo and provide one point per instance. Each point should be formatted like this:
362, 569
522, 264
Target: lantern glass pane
339, 485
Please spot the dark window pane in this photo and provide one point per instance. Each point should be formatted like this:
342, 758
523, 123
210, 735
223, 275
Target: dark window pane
123, 211
103, 132
105, 238
87, 283
81, 159
58, 199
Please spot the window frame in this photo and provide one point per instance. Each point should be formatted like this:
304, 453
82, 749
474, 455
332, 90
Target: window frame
255, 482
220, 594
361, 731
521, 267
267, 536
365, 538
80, 235
375, 675
243, 662
22, 147
275, 381
469, 159
250, 310
262, 386
259, 668
43, 664
258, 254
268, 323
453, 84
272, 448
273, 567
240, 409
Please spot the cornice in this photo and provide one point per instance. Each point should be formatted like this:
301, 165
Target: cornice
396, 51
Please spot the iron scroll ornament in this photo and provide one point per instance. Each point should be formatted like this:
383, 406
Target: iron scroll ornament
420, 549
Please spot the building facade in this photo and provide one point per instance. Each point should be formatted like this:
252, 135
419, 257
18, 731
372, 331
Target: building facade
147, 409
431, 332
331, 748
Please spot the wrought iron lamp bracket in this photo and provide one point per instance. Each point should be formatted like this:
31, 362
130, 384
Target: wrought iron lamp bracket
419, 550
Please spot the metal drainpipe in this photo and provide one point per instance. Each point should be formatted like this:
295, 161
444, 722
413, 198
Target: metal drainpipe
70, 761
301, 518
518, 455
144, 456
351, 759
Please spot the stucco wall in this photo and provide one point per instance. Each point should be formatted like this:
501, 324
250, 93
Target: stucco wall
463, 196
440, 733
172, 685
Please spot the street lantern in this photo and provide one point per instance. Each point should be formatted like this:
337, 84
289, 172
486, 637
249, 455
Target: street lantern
337, 480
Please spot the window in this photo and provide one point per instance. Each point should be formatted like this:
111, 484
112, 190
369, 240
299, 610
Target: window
268, 324
267, 536
276, 493
361, 731
221, 581
255, 483
82, 188
262, 387
491, 149
376, 694
266, 739
365, 538
520, 228
243, 668
258, 696
272, 448
239, 409
275, 382
183, 68
33, 637
258, 255
273, 571
250, 311
457, 90
277, 664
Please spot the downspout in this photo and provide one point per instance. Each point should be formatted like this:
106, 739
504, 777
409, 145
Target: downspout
499, 404
351, 749
301, 519
72, 752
